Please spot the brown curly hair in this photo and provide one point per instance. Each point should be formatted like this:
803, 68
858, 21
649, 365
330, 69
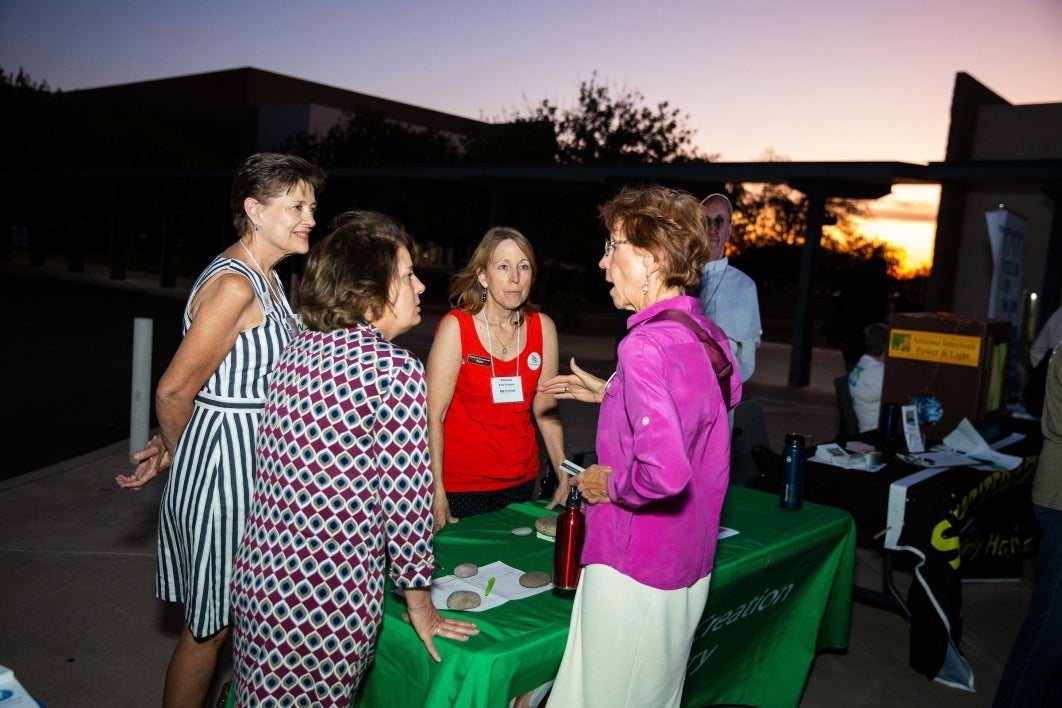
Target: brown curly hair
666, 222
349, 274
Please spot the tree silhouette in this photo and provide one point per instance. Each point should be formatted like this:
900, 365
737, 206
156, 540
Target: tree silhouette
616, 129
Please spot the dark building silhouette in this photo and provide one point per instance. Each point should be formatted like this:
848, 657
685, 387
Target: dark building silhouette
262, 109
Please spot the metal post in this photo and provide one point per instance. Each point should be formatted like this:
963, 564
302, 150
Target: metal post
140, 401
800, 356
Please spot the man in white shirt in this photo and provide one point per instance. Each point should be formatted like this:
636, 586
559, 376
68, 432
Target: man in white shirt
1050, 335
867, 376
728, 296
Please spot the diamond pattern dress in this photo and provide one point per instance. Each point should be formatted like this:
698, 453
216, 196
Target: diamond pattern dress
342, 490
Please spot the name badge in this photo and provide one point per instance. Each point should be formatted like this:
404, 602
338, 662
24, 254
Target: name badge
507, 389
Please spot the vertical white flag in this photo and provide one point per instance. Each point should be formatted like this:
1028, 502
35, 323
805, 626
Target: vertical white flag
1006, 231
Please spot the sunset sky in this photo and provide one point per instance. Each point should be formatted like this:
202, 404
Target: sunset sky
813, 80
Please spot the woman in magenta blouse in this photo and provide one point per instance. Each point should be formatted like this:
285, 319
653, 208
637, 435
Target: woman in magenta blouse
663, 446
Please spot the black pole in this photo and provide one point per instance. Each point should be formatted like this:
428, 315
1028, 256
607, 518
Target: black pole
800, 356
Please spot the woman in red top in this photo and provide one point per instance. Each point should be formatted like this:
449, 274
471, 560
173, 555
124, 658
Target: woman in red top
483, 370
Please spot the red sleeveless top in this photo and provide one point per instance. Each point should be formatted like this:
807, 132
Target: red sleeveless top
488, 445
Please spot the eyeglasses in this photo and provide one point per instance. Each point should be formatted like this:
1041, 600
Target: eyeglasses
610, 245
717, 222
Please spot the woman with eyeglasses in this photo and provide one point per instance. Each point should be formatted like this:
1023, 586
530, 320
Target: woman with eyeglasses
663, 448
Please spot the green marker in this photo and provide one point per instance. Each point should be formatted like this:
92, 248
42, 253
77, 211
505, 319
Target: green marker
490, 586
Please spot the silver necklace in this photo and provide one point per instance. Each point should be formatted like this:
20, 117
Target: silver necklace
261, 271
289, 320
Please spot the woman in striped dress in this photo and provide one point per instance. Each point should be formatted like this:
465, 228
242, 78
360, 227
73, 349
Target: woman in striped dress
209, 401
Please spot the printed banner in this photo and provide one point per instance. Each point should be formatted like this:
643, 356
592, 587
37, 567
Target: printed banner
959, 349
782, 614
972, 519
1006, 231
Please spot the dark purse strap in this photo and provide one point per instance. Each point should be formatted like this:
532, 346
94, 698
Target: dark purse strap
720, 363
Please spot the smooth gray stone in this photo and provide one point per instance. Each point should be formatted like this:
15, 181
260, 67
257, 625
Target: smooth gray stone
546, 525
534, 579
462, 600
466, 570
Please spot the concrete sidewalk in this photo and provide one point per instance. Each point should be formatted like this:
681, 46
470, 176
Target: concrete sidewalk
81, 628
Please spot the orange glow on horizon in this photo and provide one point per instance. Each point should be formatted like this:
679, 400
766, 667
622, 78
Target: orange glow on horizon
906, 219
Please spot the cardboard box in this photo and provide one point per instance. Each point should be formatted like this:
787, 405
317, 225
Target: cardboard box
960, 360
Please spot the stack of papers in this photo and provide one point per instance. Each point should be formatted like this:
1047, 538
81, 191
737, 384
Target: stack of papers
968, 443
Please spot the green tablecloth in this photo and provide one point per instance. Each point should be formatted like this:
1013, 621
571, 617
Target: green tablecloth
781, 590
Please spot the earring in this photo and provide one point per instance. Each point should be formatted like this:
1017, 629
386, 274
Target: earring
257, 227
645, 288
483, 297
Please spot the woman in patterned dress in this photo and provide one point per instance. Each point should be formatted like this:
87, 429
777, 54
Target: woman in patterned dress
209, 402
343, 484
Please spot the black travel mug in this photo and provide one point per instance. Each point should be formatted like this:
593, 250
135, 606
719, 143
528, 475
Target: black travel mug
890, 425
793, 455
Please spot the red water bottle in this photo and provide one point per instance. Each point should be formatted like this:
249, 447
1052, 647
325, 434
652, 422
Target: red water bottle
571, 528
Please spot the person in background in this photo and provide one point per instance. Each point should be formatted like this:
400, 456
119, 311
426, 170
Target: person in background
868, 375
1047, 338
209, 401
483, 371
343, 486
1032, 675
728, 296
663, 445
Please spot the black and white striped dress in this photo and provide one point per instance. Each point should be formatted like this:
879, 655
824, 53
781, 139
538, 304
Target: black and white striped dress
211, 480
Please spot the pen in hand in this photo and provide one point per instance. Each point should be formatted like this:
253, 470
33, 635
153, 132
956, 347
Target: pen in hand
490, 586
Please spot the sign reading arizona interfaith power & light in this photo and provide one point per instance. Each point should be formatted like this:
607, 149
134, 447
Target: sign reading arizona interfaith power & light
959, 349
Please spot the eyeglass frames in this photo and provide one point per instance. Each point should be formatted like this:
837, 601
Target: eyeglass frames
717, 222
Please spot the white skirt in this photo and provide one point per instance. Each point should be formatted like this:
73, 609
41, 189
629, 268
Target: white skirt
628, 643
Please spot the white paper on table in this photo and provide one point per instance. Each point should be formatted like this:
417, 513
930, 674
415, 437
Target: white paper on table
1009, 440
506, 587
966, 440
